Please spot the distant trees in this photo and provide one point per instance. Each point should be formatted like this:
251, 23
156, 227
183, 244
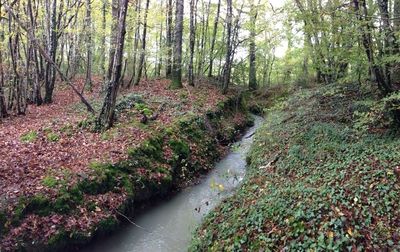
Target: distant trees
143, 51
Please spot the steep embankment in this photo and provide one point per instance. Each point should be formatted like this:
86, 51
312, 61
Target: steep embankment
67, 206
321, 177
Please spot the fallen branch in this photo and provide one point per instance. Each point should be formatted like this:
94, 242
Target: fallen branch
48, 59
252, 134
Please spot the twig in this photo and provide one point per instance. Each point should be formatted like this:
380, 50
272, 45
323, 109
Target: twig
130, 221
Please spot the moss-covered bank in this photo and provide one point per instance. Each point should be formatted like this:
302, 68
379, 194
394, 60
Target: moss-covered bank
170, 159
317, 180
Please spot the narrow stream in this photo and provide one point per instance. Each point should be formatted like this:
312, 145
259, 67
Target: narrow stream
168, 226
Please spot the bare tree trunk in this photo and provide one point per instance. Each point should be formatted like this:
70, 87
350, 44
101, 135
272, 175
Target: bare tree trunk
252, 49
213, 39
3, 107
113, 40
103, 39
88, 24
47, 58
52, 46
160, 54
143, 52
135, 42
106, 117
169, 39
192, 41
177, 67
37, 95
227, 66
204, 28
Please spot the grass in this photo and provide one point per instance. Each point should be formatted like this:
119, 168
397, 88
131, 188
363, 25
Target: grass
315, 183
29, 137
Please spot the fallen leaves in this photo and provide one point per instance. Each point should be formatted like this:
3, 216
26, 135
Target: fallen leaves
54, 145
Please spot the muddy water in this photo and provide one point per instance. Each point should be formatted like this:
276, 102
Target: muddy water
169, 225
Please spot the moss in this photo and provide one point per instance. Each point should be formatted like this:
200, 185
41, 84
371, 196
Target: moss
180, 148
39, 205
68, 199
107, 226
59, 239
108, 177
19, 211
148, 152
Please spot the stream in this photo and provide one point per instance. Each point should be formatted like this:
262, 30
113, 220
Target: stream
169, 225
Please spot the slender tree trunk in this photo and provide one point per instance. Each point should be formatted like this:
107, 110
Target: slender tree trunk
227, 67
106, 117
143, 51
135, 42
213, 39
252, 49
88, 24
103, 39
113, 40
192, 39
50, 72
169, 39
37, 95
160, 54
177, 67
3, 107
47, 57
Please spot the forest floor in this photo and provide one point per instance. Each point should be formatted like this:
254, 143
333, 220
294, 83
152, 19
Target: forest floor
321, 178
53, 147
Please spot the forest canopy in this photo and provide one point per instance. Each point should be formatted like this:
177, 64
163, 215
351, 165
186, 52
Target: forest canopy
254, 43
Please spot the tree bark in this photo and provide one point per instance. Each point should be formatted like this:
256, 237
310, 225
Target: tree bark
169, 39
115, 6
227, 66
107, 115
252, 49
193, 4
88, 26
143, 51
47, 58
213, 39
52, 48
177, 67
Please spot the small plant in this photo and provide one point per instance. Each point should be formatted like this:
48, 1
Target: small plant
68, 129
29, 137
142, 108
49, 181
52, 137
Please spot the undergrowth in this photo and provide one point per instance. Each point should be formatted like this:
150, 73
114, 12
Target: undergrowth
316, 182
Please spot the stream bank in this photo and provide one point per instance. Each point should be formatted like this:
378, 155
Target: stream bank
168, 225
166, 162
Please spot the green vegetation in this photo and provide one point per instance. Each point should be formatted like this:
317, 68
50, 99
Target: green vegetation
29, 137
52, 137
315, 181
